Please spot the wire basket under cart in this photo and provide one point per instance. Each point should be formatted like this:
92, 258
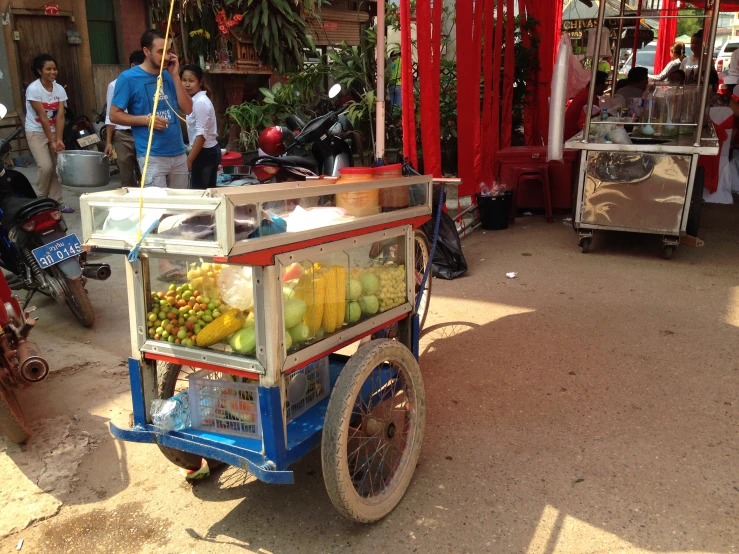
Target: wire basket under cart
240, 298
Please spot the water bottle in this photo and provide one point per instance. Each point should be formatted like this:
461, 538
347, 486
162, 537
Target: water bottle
173, 413
604, 114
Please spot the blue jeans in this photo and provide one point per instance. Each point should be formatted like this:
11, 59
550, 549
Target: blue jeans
394, 95
205, 168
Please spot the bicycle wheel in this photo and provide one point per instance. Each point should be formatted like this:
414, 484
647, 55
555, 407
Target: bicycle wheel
373, 431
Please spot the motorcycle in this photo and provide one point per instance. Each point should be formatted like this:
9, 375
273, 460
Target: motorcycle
20, 362
327, 137
35, 246
79, 134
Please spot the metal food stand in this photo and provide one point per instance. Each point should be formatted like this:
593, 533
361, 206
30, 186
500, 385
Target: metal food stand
283, 281
645, 186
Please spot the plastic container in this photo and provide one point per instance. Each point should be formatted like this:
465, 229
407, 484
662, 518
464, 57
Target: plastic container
232, 158
495, 210
306, 387
220, 404
362, 202
396, 197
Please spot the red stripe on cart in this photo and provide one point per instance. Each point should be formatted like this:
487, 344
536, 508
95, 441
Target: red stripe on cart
201, 365
267, 257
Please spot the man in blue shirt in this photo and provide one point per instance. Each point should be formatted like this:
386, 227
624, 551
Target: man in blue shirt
134, 93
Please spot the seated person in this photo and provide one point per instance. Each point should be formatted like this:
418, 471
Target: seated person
638, 81
676, 77
576, 109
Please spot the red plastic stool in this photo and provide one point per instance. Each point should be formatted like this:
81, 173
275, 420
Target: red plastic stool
533, 172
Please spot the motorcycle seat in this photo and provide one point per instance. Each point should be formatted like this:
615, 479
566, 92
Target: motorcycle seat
300, 161
18, 210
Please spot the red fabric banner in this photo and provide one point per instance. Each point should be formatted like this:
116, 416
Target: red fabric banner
529, 113
468, 97
429, 77
666, 36
549, 18
495, 146
508, 74
406, 70
489, 131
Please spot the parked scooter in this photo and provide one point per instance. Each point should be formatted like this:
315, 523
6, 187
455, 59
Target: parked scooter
20, 361
79, 134
35, 246
326, 137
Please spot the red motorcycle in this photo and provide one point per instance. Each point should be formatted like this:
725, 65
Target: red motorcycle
20, 362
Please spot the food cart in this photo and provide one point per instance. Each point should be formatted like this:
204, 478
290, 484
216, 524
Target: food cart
240, 299
647, 184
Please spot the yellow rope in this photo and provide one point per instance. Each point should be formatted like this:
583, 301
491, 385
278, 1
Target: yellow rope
153, 117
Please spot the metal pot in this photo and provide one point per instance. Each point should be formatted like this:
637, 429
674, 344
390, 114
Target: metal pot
83, 168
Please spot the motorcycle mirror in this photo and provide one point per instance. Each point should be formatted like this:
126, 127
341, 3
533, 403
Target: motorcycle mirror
334, 91
3, 111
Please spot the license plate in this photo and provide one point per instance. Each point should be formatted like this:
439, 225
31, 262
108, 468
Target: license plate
89, 140
57, 251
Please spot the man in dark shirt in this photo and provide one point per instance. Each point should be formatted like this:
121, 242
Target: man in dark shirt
576, 108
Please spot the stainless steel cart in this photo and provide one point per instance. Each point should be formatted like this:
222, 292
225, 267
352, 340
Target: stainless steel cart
644, 187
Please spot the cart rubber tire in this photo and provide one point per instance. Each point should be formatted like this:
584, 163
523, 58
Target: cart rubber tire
421, 243
12, 424
585, 244
78, 300
334, 443
167, 374
668, 251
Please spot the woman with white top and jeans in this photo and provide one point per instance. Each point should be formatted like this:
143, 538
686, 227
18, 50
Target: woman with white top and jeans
44, 114
205, 154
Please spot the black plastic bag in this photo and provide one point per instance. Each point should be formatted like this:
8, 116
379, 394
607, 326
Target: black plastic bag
449, 262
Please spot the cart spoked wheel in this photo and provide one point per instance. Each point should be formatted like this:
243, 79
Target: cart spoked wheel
423, 259
373, 430
668, 250
171, 379
585, 243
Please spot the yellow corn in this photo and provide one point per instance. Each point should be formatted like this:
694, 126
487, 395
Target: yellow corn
220, 328
311, 290
341, 295
329, 313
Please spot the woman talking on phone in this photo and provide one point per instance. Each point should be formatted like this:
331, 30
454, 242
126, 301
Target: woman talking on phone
205, 154
44, 114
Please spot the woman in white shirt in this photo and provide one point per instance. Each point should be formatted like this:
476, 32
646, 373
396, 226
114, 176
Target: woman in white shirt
44, 115
202, 132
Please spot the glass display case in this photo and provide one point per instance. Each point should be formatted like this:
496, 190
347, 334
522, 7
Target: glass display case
238, 220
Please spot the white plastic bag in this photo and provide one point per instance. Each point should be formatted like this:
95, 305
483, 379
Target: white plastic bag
236, 286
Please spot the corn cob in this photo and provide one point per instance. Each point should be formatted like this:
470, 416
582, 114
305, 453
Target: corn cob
330, 318
341, 295
220, 328
311, 290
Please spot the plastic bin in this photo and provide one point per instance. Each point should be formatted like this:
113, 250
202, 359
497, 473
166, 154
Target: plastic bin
306, 387
220, 404
495, 210
361, 202
393, 198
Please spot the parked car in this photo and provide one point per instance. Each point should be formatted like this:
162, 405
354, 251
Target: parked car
723, 59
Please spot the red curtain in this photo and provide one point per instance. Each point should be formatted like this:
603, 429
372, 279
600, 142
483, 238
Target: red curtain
406, 70
549, 16
489, 131
468, 97
508, 74
429, 44
666, 36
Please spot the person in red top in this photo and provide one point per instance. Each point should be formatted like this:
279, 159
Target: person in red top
575, 110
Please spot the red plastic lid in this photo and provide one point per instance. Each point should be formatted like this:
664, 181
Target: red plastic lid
355, 171
232, 158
